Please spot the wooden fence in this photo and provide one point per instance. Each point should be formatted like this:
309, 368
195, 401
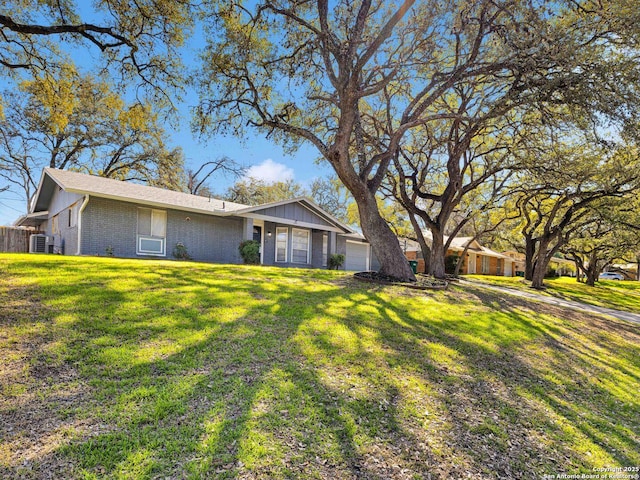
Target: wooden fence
15, 240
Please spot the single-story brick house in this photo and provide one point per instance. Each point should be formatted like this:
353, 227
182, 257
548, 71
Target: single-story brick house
562, 266
87, 215
478, 258
518, 261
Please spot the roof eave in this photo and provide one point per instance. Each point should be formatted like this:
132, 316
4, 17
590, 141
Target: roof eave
32, 219
34, 200
150, 203
302, 200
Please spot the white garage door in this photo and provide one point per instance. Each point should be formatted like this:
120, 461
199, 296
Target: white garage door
357, 257
507, 268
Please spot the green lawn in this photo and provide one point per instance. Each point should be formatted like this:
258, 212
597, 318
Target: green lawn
156, 369
618, 295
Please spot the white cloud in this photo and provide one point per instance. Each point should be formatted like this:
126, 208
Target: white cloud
270, 172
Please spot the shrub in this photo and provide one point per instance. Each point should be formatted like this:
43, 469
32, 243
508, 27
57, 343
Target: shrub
109, 251
250, 252
336, 261
180, 252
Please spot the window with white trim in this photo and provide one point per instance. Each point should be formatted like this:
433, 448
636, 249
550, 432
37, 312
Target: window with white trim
152, 231
485, 264
282, 235
72, 216
300, 246
325, 249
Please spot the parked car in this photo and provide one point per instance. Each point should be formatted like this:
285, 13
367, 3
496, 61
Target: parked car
611, 276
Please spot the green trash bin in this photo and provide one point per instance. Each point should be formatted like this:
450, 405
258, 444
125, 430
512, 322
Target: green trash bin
414, 265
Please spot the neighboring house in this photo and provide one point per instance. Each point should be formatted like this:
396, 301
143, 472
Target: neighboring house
518, 261
562, 266
87, 215
478, 258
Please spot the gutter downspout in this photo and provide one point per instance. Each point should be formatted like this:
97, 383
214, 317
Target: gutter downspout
82, 207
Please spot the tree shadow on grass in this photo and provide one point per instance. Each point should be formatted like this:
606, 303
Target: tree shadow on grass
192, 410
624, 296
192, 371
504, 375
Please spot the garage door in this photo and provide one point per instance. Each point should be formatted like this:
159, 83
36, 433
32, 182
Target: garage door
507, 268
357, 256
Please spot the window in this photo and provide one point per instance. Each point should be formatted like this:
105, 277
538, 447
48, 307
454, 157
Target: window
499, 268
325, 249
281, 244
485, 264
299, 246
152, 227
72, 219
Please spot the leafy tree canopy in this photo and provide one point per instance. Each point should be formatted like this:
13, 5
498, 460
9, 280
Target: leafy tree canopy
253, 191
80, 123
138, 42
354, 78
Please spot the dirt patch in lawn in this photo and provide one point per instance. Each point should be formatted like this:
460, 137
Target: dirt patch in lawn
39, 394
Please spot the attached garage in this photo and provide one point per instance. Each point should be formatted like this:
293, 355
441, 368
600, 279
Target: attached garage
358, 257
508, 268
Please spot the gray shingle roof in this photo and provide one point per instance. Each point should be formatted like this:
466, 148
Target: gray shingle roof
131, 192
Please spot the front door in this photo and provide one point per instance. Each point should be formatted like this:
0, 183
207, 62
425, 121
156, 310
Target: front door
472, 263
257, 236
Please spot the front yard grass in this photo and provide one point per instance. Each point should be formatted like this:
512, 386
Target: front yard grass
116, 368
619, 295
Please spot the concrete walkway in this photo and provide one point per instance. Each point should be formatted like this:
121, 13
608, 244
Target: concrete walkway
620, 315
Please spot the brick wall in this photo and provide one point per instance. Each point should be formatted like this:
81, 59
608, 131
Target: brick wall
494, 263
109, 223
414, 256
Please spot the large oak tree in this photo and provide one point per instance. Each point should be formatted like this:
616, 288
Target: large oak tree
559, 191
79, 123
603, 239
354, 78
538, 67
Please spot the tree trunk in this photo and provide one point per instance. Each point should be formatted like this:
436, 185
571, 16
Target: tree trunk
540, 267
529, 261
580, 268
578, 272
426, 255
383, 241
592, 270
437, 254
426, 251
461, 260
537, 277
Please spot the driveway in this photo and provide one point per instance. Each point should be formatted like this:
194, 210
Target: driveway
620, 315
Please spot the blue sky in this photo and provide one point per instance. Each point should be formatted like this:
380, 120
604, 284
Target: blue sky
266, 159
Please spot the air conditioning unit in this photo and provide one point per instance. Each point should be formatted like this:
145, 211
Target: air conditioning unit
38, 243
